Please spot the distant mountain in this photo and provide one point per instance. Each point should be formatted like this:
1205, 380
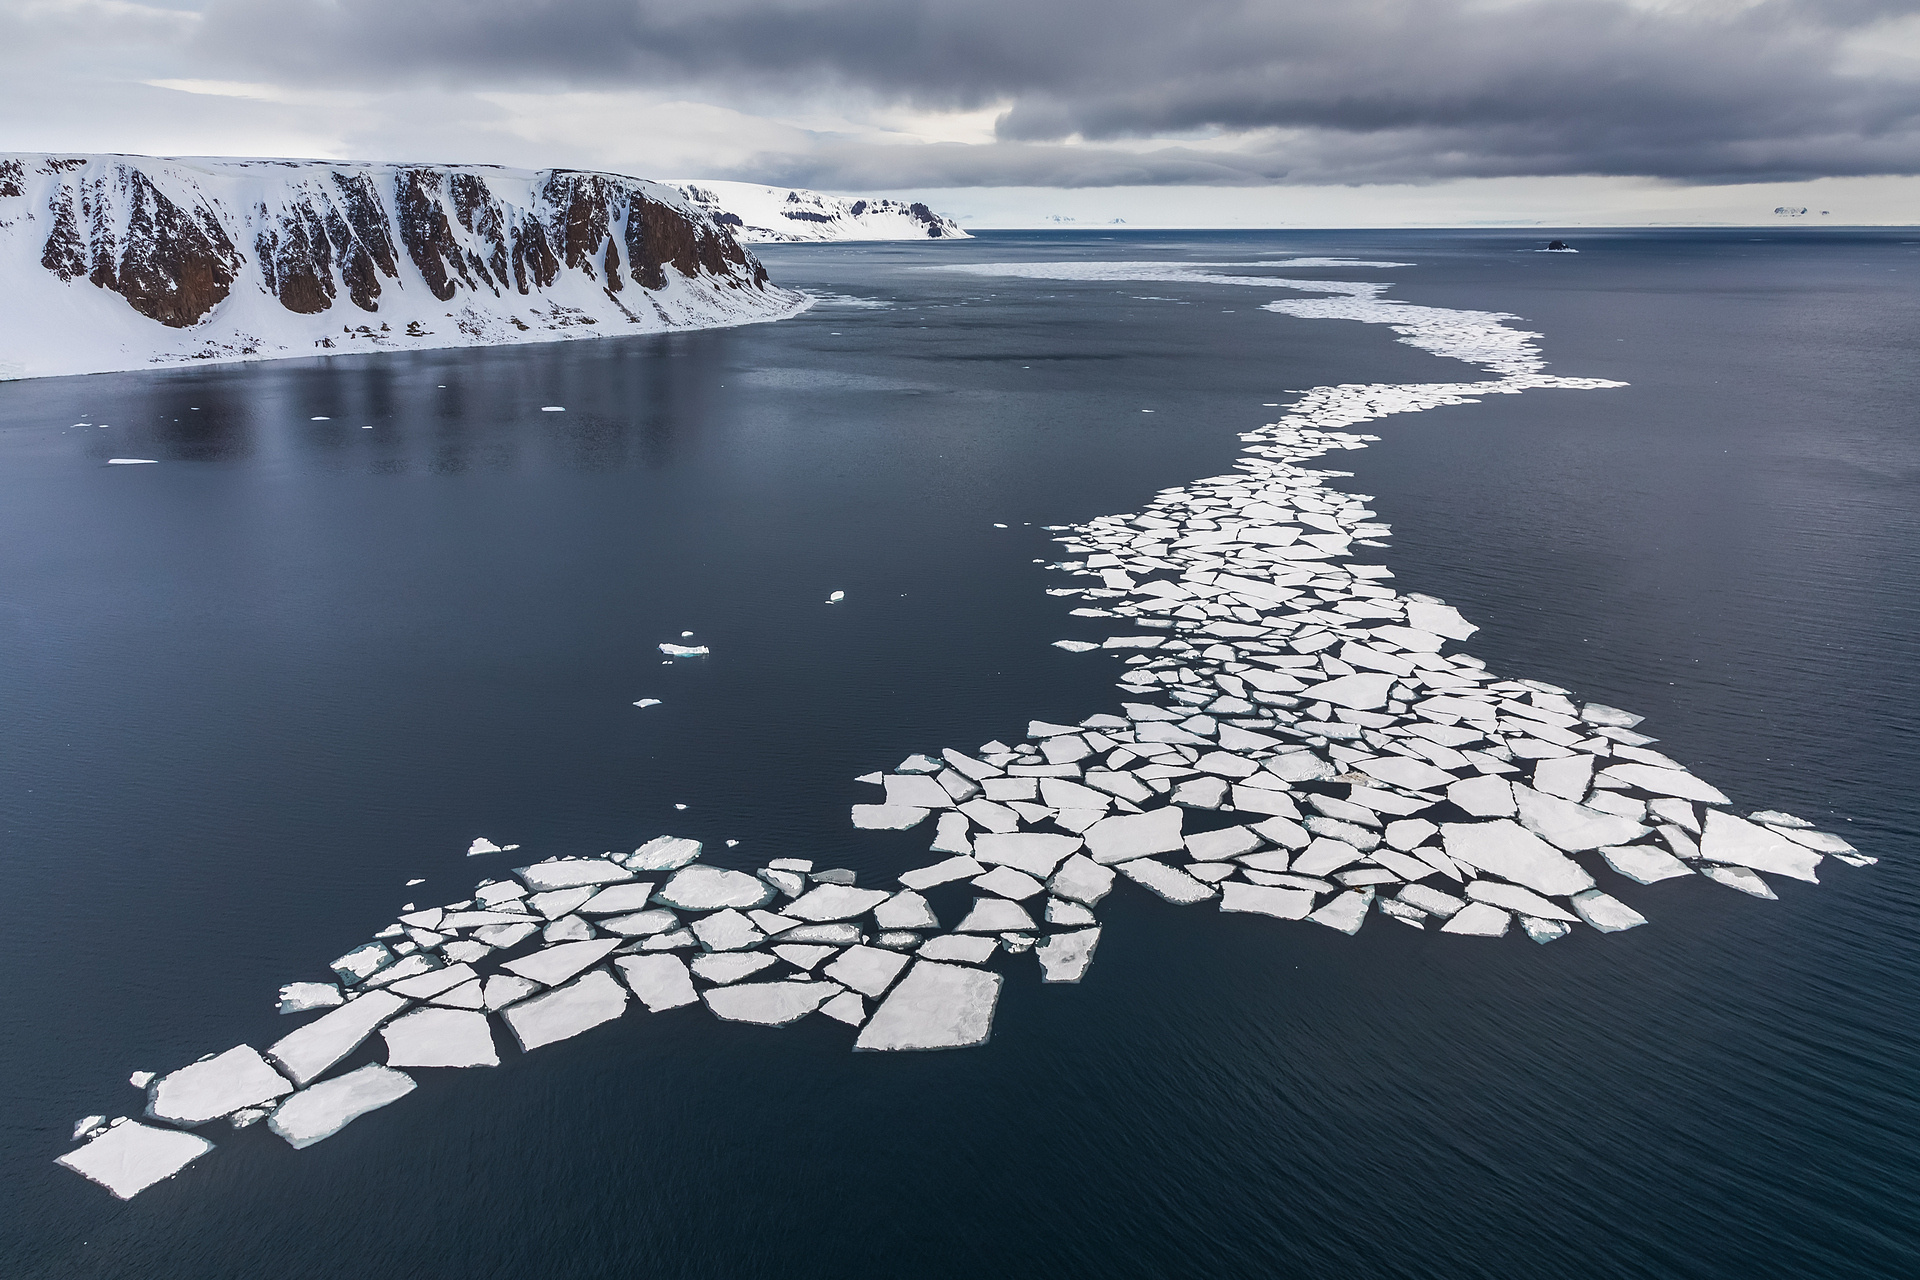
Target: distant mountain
766, 215
125, 262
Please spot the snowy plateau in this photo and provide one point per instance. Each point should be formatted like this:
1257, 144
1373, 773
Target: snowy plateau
769, 215
111, 262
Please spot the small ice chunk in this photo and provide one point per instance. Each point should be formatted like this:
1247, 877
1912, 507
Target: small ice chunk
1036, 853
87, 1126
729, 966
964, 947
1678, 812
570, 873
1082, 879
727, 931
1480, 920
995, 915
961, 868
306, 1052
641, 924
663, 853
553, 408
566, 1011
803, 956
936, 1006
1514, 898
916, 791
1599, 713
559, 902
1064, 957
215, 1087
618, 899
1440, 619
141, 1079
1489, 796
362, 963
482, 845
1605, 913
790, 883
1735, 840
826, 902
1664, 782
905, 910
1171, 883
330, 1106
661, 982
128, 1158
1071, 914
1008, 883
702, 888
951, 834
1363, 691
1544, 931
887, 817
846, 1007
868, 970
684, 650
303, 997
1283, 904
1075, 646
647, 702
1506, 849
1564, 776
502, 989
1125, 837
551, 966
1230, 842
1740, 878
1347, 912
768, 1004
465, 996
836, 597
1644, 863
1431, 900
440, 1038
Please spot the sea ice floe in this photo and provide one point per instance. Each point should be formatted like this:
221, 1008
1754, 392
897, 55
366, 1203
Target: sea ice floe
1347, 912
1123, 838
770, 1004
551, 966
307, 1052
702, 888
661, 982
214, 1087
130, 1157
1283, 904
303, 997
571, 873
1064, 957
564, 1012
1503, 848
1644, 863
1479, 919
834, 902
905, 910
326, 1108
887, 817
1036, 853
868, 970
995, 915
846, 1007
440, 1038
936, 1006
1605, 913
662, 853
1735, 840
1521, 901
1740, 878
727, 931
967, 948
729, 966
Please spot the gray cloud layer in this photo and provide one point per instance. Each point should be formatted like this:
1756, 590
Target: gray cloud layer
1107, 92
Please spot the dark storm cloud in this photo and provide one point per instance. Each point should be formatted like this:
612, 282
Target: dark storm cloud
1307, 90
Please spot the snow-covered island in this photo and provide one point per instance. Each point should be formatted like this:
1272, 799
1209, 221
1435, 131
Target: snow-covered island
769, 215
114, 262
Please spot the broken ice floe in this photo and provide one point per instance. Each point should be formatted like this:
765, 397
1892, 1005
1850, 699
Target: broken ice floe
1295, 743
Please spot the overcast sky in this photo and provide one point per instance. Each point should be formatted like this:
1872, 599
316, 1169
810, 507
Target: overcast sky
1194, 112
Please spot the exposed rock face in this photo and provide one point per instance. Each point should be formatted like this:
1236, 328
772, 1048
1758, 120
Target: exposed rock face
498, 253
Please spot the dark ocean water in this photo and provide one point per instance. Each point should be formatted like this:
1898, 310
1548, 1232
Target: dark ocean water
249, 692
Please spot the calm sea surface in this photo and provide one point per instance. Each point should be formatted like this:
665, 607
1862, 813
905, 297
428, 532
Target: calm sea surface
248, 693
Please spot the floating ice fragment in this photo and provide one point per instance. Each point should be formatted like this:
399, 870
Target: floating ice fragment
967, 948
1514, 898
617, 899
1484, 797
553, 408
663, 853
571, 873
482, 845
803, 957
1062, 912
960, 868
1036, 853
1008, 883
727, 931
502, 989
729, 966
661, 981
551, 966
835, 902
868, 970
1120, 839
1479, 919
1605, 913
128, 1158
1064, 957
440, 1038
836, 597
306, 1052
303, 997
1082, 879
936, 1006
1430, 900
141, 1079
1644, 863
684, 650
1346, 912
1283, 904
1171, 883
330, 1106
698, 887
647, 702
362, 962
846, 1007
1573, 827
1544, 931
1735, 840
1663, 782
1740, 878
87, 1126
427, 985
768, 1004
905, 910
1074, 646
559, 1014
1505, 849
887, 817
132, 462
214, 1087
995, 915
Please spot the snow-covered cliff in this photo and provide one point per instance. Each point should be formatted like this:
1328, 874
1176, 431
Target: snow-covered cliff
126, 262
762, 215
